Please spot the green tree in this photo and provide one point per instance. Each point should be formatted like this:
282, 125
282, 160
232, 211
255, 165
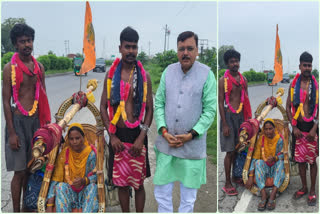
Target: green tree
165, 59
142, 56
5, 59
315, 73
6, 26
209, 57
221, 52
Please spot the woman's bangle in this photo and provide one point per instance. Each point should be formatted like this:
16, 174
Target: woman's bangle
277, 158
250, 175
50, 205
87, 181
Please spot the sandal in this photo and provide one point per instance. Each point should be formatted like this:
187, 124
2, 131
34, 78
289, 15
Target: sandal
230, 191
271, 204
262, 205
312, 200
299, 194
238, 181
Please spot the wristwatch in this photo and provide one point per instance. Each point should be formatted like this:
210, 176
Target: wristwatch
193, 133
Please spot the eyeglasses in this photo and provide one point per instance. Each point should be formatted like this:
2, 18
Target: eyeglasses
189, 49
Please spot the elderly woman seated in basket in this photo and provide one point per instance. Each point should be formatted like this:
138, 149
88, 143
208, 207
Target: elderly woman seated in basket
267, 161
73, 184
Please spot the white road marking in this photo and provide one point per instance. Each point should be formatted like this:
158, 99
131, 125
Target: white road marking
243, 203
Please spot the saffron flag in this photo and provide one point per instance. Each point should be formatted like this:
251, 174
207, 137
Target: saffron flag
88, 43
277, 62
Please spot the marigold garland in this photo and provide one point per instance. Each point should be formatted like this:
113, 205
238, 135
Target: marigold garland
227, 96
124, 93
15, 95
303, 95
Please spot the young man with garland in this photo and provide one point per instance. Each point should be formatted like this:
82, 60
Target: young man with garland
234, 108
303, 112
127, 110
25, 107
185, 107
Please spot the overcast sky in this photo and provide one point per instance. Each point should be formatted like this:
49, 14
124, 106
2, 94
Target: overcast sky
55, 22
251, 28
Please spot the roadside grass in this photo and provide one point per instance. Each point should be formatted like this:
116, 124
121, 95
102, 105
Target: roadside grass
257, 82
155, 72
212, 142
57, 71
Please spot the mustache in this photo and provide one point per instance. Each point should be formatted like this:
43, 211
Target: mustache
27, 49
130, 55
185, 57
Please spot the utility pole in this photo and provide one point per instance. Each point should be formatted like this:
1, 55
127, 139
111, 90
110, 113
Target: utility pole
67, 47
103, 48
168, 33
149, 48
262, 66
165, 38
203, 42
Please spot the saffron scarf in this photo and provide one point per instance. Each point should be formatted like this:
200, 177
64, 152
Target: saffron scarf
77, 161
43, 105
246, 103
270, 144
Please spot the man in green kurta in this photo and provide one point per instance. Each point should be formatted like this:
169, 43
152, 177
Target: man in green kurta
185, 106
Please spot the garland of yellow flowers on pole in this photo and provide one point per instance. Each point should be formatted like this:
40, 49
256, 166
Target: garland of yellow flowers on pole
124, 93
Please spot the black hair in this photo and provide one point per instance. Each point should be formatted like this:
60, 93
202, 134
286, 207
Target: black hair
306, 57
129, 34
19, 30
231, 53
76, 128
186, 35
270, 122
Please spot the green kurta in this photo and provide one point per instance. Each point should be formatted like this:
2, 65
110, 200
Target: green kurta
190, 172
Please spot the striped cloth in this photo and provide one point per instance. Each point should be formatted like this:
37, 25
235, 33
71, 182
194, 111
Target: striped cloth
128, 170
306, 151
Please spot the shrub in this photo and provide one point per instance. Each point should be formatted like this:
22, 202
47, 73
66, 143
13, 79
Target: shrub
63, 63
221, 73
5, 59
45, 61
53, 61
109, 62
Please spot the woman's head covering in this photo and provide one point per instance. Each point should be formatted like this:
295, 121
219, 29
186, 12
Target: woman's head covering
270, 145
77, 161
269, 120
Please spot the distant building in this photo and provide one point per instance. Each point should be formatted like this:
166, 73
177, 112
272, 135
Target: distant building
71, 56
